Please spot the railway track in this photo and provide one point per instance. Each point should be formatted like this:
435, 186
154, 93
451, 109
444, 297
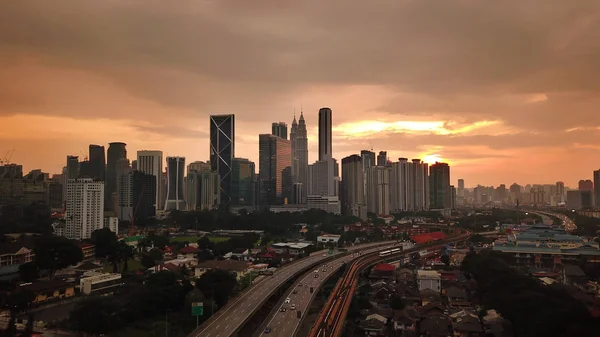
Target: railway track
330, 321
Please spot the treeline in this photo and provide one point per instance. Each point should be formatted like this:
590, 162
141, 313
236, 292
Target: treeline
535, 310
273, 223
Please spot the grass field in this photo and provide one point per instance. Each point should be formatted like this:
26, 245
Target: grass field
193, 239
131, 265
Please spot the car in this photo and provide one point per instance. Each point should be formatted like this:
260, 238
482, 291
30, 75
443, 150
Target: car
299, 284
316, 271
282, 309
323, 270
293, 307
267, 330
288, 300
316, 275
324, 255
295, 292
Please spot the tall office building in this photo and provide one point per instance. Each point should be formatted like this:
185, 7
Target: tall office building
222, 152
325, 133
202, 187
382, 158
70, 171
597, 188
279, 129
378, 193
586, 185
439, 184
175, 173
299, 143
243, 182
115, 152
352, 189
151, 162
275, 161
97, 159
321, 177
84, 208
461, 188
409, 185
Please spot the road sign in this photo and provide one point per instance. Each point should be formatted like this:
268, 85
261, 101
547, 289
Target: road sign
197, 309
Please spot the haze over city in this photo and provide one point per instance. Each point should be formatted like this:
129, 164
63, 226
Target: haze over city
504, 92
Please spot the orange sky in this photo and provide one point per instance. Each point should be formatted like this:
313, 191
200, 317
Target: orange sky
505, 92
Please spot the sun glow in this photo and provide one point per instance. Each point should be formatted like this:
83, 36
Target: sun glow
432, 158
367, 127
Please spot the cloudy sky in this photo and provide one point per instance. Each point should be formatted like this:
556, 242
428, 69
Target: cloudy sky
504, 91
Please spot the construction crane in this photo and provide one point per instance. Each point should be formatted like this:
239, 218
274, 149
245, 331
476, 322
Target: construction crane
6, 159
134, 213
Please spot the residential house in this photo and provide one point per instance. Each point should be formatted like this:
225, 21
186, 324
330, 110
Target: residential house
299, 248
240, 254
188, 251
436, 325
240, 268
429, 279
457, 297
409, 293
430, 296
328, 238
432, 309
405, 321
88, 250
405, 275
497, 326
280, 248
14, 253
382, 292
49, 290
465, 323
383, 271
374, 325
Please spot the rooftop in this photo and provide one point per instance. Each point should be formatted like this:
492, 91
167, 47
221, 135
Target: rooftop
224, 265
428, 274
384, 267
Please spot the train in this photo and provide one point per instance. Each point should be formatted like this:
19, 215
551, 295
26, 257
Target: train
390, 252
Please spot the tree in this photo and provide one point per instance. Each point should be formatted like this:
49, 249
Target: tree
16, 302
217, 285
96, 315
204, 243
151, 258
104, 239
120, 254
29, 272
53, 253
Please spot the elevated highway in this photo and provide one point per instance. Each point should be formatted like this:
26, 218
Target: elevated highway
232, 317
331, 319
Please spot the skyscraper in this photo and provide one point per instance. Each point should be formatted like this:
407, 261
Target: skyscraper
279, 129
97, 159
175, 174
151, 162
586, 185
325, 133
202, 187
85, 208
275, 161
382, 158
299, 143
378, 194
461, 188
115, 152
352, 189
243, 182
439, 184
222, 152
409, 185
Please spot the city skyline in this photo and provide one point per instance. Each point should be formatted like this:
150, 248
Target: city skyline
426, 87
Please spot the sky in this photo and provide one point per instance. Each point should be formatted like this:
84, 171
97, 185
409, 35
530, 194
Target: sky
504, 91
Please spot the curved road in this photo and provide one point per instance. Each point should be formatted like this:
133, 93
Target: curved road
232, 317
286, 324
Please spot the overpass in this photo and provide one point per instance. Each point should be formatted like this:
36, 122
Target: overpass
232, 317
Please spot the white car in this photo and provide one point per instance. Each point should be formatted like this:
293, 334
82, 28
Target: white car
288, 300
293, 307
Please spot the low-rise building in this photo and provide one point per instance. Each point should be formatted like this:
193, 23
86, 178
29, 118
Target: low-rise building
15, 254
88, 250
429, 279
49, 290
328, 238
240, 268
100, 283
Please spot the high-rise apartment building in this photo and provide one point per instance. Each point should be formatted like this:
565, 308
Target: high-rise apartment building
461, 188
243, 182
222, 152
115, 152
439, 185
378, 193
280, 130
586, 185
97, 162
84, 208
597, 188
151, 162
275, 169
352, 187
202, 187
137, 196
175, 174
299, 143
325, 133
409, 185
321, 177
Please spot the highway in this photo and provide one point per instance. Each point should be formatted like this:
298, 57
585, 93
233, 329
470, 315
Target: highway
286, 323
232, 317
566, 222
331, 319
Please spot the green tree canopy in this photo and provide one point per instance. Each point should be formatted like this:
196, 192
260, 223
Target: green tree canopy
53, 253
